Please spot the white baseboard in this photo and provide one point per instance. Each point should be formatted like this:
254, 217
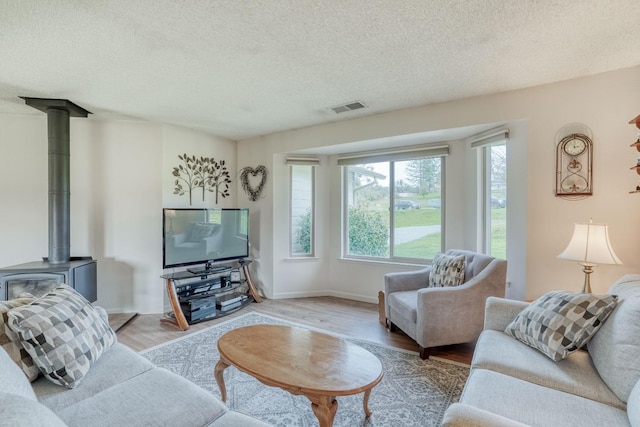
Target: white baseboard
304, 294
355, 297
345, 295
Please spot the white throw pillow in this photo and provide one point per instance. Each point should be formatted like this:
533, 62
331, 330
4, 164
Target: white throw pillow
63, 333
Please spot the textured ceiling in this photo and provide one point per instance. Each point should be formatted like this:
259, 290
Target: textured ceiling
242, 68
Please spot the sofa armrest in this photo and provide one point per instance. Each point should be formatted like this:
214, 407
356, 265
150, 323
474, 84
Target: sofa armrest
406, 280
499, 312
463, 415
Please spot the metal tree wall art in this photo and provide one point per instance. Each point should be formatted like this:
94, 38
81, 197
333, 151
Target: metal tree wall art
204, 172
253, 193
217, 179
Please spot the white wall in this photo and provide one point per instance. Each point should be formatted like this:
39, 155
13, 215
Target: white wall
177, 141
120, 180
115, 199
23, 193
261, 219
539, 224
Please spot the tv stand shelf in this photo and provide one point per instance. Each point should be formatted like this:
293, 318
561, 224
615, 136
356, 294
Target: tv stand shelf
208, 270
197, 295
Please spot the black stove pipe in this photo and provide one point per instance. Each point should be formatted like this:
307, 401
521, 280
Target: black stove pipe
59, 186
58, 113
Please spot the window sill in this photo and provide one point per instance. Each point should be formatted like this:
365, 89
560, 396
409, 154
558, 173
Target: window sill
301, 258
398, 263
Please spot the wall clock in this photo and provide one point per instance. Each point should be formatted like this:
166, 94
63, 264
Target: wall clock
574, 161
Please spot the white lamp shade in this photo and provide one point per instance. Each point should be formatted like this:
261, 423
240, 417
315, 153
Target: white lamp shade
590, 245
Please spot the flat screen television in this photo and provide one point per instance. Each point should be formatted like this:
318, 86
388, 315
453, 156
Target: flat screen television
204, 236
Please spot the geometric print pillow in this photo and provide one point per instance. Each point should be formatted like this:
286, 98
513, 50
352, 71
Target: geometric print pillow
447, 270
63, 333
560, 322
10, 341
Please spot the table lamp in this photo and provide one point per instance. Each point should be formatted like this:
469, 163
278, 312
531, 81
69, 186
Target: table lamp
590, 246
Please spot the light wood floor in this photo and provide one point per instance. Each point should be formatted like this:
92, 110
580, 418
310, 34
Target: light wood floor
346, 317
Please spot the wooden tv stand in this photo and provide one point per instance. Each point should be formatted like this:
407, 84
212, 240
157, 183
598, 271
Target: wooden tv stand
186, 287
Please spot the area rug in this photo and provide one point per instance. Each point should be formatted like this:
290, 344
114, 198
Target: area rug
413, 392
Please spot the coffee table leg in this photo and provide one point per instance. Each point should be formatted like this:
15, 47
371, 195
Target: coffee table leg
365, 403
220, 367
325, 408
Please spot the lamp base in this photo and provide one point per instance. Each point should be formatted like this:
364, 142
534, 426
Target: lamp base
587, 269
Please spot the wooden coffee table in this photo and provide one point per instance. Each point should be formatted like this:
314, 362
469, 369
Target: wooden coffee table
302, 362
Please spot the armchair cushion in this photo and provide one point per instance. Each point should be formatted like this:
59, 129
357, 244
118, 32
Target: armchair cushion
447, 270
405, 302
559, 322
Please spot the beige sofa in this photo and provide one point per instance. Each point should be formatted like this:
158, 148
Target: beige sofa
121, 389
512, 384
61, 365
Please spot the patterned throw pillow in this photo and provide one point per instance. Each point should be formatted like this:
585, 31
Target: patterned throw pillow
10, 341
63, 333
447, 270
560, 322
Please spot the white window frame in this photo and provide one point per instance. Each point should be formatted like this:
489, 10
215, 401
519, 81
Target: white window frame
483, 143
312, 163
390, 156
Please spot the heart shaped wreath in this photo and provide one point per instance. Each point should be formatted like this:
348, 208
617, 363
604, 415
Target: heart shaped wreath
253, 193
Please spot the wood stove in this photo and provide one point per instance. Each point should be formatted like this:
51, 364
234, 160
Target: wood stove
40, 277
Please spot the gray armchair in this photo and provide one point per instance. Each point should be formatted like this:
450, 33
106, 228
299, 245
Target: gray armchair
442, 316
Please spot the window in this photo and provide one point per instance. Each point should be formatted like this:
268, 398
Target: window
496, 200
393, 204
493, 201
301, 213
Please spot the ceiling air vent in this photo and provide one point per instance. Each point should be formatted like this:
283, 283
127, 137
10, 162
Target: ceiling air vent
356, 105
